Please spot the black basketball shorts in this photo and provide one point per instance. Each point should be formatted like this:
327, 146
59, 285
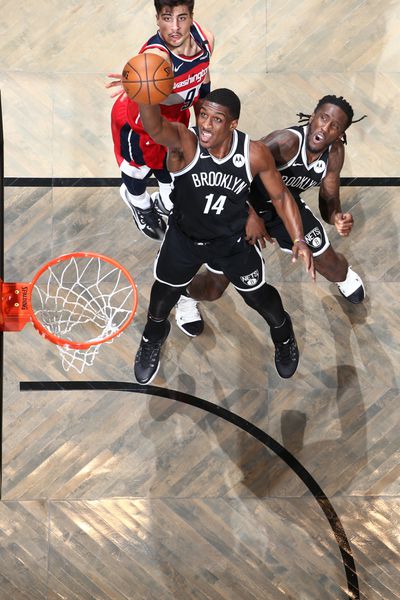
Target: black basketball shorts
314, 232
180, 258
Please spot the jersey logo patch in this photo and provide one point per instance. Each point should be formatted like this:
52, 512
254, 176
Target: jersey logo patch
314, 237
319, 166
178, 67
251, 279
205, 155
238, 160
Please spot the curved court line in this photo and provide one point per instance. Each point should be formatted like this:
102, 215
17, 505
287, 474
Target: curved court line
292, 462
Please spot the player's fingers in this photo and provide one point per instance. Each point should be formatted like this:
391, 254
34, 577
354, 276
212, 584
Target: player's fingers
268, 238
309, 263
117, 93
313, 273
111, 84
344, 230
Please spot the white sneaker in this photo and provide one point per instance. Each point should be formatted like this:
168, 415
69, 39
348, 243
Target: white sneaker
352, 287
188, 317
159, 204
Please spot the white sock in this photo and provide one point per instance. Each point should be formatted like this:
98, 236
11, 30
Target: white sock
142, 201
165, 190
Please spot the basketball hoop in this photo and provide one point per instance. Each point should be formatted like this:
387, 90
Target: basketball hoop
77, 301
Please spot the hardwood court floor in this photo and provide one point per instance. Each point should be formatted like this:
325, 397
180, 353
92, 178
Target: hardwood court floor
119, 495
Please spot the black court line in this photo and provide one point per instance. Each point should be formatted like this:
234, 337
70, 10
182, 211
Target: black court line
1, 278
292, 462
116, 181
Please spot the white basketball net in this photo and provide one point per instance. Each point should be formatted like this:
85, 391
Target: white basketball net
82, 299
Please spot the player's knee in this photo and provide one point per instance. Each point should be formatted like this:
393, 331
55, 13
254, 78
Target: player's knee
208, 286
265, 300
217, 285
331, 265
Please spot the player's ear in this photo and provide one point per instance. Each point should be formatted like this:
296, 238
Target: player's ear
310, 120
234, 124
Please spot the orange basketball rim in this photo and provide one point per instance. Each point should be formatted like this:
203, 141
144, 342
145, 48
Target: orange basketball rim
76, 300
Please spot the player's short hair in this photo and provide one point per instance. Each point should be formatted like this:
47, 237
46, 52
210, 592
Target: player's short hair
159, 4
341, 103
226, 98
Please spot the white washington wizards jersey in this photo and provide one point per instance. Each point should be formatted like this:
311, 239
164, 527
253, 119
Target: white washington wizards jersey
210, 194
297, 174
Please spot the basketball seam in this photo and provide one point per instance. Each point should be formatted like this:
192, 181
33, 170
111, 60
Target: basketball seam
151, 81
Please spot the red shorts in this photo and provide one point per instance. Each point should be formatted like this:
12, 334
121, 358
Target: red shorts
131, 142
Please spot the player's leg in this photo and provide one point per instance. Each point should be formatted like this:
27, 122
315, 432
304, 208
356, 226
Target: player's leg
208, 285
334, 267
204, 286
175, 266
328, 263
134, 173
161, 198
147, 360
246, 270
187, 314
134, 193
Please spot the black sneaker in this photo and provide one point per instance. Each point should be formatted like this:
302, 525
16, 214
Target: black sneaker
159, 204
147, 360
147, 220
287, 355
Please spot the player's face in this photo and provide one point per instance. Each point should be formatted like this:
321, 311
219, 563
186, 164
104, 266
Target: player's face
326, 125
215, 125
174, 24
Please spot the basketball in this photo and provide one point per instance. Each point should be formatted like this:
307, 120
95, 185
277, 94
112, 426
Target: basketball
148, 78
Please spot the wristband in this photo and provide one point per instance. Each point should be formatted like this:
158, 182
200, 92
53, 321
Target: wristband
299, 240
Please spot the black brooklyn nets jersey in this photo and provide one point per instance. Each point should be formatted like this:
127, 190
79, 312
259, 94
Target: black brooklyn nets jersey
297, 174
210, 194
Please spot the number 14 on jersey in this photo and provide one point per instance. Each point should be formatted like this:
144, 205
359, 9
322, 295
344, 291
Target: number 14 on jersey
217, 205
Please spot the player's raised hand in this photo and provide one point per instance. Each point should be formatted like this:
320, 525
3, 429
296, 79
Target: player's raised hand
301, 249
344, 223
117, 83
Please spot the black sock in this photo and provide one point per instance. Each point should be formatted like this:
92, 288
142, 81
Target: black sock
282, 332
155, 329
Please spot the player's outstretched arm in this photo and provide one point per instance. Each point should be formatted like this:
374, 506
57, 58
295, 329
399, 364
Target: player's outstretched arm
329, 193
180, 142
263, 164
161, 130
